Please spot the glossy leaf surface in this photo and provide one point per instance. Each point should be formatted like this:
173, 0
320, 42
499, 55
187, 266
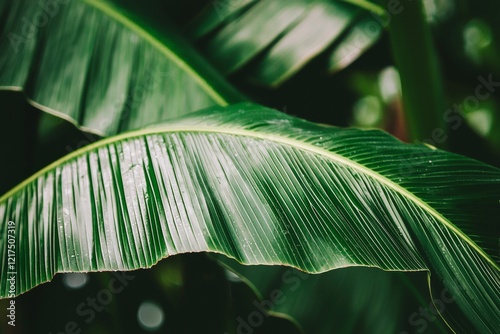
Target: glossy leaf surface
264, 188
103, 69
276, 39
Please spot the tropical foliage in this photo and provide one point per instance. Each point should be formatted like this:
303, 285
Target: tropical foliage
140, 146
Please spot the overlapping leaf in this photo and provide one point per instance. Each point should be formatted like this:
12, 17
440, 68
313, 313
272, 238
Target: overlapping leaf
263, 188
97, 66
276, 39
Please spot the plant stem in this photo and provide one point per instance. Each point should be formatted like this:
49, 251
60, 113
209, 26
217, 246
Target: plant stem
415, 57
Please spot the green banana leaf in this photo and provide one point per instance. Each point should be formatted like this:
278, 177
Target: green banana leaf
263, 188
276, 39
354, 43
101, 68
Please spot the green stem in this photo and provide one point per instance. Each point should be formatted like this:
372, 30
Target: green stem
421, 81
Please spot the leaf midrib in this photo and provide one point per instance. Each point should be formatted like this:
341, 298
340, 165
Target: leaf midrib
369, 6
111, 11
264, 136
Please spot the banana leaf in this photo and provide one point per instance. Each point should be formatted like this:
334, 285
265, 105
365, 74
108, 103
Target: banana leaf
273, 40
266, 188
102, 68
